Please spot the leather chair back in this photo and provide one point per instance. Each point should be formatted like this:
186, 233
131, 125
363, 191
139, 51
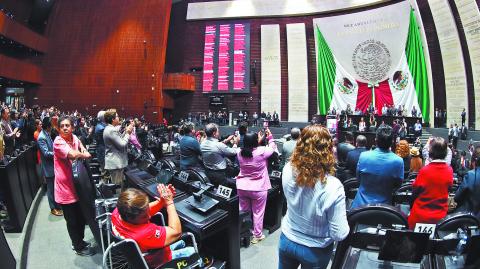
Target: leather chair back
372, 215
457, 220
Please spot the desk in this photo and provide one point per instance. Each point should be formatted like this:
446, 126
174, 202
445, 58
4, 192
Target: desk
364, 247
274, 208
10, 185
361, 258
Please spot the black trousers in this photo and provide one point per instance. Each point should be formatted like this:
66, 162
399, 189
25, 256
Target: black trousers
51, 193
75, 224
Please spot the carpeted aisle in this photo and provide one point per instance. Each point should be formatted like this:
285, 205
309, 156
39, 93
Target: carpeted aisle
50, 246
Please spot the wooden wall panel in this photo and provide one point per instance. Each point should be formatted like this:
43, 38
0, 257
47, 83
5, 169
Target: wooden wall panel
107, 54
23, 35
178, 81
20, 70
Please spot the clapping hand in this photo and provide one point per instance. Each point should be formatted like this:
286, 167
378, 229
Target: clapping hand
166, 193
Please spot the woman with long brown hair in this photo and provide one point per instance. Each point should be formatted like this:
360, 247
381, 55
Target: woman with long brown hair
403, 151
316, 214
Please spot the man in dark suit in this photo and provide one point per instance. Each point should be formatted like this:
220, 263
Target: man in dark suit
462, 164
276, 118
354, 155
45, 146
344, 147
463, 132
467, 195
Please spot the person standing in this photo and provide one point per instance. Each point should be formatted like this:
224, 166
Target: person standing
253, 182
430, 188
289, 145
189, 148
214, 154
66, 148
98, 136
414, 112
116, 158
316, 213
450, 133
444, 118
354, 155
345, 147
417, 128
9, 134
468, 193
464, 116
463, 132
276, 118
362, 126
45, 146
455, 135
255, 118
379, 171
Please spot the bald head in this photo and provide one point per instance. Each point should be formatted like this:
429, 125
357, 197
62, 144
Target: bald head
361, 141
295, 133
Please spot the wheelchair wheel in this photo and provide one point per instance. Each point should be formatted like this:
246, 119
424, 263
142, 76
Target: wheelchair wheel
114, 259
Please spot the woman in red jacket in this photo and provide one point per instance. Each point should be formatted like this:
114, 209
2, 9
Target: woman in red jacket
430, 188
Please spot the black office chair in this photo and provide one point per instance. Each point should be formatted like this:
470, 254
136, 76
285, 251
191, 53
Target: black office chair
169, 165
197, 174
412, 176
403, 194
126, 254
351, 187
453, 188
457, 220
372, 215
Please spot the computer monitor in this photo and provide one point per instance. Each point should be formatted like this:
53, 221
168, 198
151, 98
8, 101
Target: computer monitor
404, 246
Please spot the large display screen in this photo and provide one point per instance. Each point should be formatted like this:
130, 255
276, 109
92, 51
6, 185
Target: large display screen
226, 58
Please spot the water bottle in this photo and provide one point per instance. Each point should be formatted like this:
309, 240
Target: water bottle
462, 235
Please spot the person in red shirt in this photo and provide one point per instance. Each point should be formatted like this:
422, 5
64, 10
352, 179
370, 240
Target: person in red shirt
131, 219
430, 188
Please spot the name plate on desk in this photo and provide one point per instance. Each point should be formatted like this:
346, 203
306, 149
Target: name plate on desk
276, 174
224, 192
183, 176
425, 228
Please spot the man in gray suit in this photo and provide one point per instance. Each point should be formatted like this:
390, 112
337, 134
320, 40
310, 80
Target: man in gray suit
45, 146
289, 146
116, 158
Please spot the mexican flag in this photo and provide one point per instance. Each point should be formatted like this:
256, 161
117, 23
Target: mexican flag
406, 83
